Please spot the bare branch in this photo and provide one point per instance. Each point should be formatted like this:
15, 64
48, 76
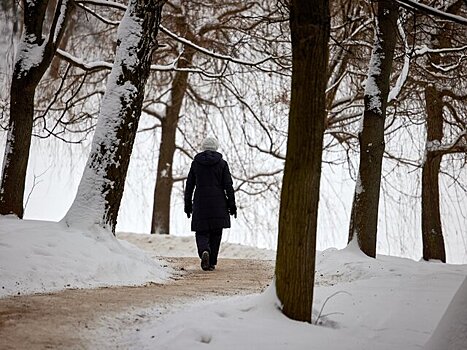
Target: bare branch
102, 65
101, 18
455, 146
411, 4
105, 3
212, 53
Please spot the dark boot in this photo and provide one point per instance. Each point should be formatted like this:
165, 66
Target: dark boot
202, 242
205, 261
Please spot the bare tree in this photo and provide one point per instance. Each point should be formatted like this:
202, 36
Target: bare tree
34, 55
230, 33
364, 216
435, 105
295, 263
214, 34
191, 46
164, 179
101, 188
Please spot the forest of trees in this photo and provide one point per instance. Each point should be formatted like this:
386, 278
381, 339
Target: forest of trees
295, 83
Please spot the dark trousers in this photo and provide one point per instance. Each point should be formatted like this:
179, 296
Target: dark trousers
209, 240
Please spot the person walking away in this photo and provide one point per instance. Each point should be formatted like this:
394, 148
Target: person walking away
214, 199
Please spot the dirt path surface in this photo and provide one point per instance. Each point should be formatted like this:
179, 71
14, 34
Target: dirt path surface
74, 319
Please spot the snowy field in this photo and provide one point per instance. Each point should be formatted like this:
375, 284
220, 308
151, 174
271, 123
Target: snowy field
359, 302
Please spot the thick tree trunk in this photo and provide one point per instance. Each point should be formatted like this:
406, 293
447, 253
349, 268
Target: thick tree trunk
295, 264
33, 57
17, 148
164, 181
101, 188
364, 215
432, 234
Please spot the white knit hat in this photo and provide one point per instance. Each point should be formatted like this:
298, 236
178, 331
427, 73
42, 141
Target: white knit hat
210, 144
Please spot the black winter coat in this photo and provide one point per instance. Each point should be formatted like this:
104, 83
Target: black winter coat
210, 179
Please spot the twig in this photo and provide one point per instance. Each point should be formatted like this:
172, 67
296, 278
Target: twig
325, 302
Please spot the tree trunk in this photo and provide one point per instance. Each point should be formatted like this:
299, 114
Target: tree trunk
164, 181
295, 264
432, 234
364, 215
101, 188
33, 57
17, 148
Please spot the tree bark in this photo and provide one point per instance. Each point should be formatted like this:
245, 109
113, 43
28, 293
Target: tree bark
101, 188
164, 181
295, 264
33, 57
432, 234
364, 215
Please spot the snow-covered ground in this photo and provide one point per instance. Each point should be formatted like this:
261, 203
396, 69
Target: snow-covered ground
169, 245
359, 302
43, 256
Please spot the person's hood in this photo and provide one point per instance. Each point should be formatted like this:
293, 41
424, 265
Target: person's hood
208, 158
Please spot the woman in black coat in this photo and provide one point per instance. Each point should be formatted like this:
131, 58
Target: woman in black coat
213, 201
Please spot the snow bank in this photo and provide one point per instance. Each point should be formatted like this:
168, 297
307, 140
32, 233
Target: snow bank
42, 256
252, 322
185, 246
380, 304
451, 333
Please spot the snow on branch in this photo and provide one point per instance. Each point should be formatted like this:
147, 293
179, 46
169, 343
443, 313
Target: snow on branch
103, 65
412, 4
421, 50
446, 69
32, 52
105, 3
59, 22
172, 35
78, 62
454, 147
405, 69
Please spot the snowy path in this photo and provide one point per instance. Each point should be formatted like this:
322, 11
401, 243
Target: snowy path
107, 317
